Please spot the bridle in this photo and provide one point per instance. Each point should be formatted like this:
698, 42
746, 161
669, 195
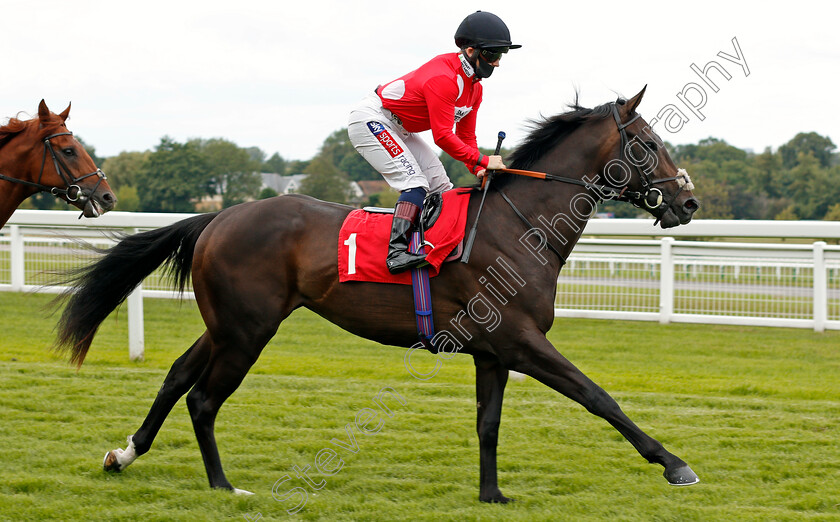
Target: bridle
71, 191
651, 197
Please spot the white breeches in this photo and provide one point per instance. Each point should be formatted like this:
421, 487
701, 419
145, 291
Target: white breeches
405, 160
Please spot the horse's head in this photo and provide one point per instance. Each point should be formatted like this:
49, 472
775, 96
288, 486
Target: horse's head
74, 177
641, 164
42, 155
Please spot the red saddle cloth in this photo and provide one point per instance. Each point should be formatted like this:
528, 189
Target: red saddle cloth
363, 241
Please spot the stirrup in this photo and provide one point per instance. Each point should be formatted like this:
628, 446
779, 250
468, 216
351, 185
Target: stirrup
404, 260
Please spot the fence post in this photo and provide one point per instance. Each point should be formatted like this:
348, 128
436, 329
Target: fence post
666, 281
136, 333
820, 287
136, 340
17, 264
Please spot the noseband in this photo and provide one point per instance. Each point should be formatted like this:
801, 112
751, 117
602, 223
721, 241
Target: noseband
71, 191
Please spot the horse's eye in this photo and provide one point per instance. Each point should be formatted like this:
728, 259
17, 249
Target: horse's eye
651, 145
69, 151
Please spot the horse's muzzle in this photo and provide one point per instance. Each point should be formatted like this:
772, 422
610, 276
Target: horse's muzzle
98, 204
679, 214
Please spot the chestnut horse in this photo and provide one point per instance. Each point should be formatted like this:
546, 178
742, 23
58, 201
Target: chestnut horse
41, 155
253, 264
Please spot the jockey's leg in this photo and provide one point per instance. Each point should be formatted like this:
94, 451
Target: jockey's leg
403, 159
406, 217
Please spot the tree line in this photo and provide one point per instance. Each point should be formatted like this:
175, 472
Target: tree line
800, 180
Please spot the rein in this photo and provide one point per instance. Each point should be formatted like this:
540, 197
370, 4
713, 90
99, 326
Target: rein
71, 190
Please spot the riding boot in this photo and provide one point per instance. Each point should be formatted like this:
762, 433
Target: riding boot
406, 215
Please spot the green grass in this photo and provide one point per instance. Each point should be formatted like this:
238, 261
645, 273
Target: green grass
755, 412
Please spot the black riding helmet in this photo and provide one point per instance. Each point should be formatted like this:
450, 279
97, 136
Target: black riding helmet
487, 33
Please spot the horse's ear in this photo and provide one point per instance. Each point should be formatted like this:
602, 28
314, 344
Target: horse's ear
65, 113
43, 111
634, 102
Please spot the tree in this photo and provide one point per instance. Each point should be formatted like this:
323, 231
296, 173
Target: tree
787, 214
43, 201
357, 168
815, 188
833, 213
275, 164
231, 170
123, 168
821, 147
338, 150
386, 198
128, 199
256, 154
266, 193
173, 178
457, 171
714, 199
769, 173
297, 166
91, 150
325, 182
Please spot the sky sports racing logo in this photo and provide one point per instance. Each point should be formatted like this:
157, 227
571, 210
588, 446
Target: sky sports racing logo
385, 138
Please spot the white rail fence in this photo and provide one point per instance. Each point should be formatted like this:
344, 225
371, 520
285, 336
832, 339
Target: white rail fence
790, 278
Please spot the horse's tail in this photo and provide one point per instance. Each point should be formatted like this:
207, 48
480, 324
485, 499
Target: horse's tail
98, 289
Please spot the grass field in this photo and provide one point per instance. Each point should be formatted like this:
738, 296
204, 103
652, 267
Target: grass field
755, 412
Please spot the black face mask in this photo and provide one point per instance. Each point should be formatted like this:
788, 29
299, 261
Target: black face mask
482, 68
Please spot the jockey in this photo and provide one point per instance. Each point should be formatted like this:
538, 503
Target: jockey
443, 94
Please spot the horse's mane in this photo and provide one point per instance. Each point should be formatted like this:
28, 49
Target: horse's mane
11, 129
15, 126
547, 132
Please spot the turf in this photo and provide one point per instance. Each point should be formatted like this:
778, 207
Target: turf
754, 411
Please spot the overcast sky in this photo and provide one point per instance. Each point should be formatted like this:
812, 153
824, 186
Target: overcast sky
282, 75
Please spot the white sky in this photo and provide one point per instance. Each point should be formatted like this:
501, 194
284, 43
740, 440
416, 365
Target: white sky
283, 74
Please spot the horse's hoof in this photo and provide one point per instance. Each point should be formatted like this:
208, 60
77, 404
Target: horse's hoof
119, 459
237, 491
495, 498
110, 463
682, 476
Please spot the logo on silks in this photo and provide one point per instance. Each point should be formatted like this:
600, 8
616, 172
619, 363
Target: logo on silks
385, 138
460, 112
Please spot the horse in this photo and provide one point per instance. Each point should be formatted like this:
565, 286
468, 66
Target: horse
24, 146
253, 264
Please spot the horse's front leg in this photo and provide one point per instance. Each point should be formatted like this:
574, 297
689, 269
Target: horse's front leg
542, 361
490, 381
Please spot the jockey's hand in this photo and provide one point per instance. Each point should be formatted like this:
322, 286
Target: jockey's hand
495, 163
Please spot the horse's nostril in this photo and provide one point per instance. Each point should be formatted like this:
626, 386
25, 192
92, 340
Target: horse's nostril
691, 205
108, 197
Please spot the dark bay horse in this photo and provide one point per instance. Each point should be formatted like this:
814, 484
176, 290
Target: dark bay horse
41, 155
255, 263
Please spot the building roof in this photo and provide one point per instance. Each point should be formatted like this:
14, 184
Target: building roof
281, 184
370, 187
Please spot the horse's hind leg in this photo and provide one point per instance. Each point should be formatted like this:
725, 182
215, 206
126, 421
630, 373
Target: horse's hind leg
224, 373
182, 375
542, 361
490, 381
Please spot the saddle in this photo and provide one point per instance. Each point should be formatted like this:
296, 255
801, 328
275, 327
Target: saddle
363, 238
